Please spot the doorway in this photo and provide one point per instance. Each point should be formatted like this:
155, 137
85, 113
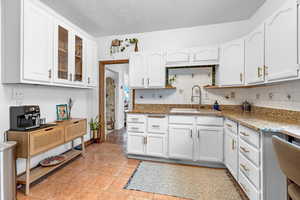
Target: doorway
123, 96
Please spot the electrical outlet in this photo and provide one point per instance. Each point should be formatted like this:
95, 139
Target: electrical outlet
17, 94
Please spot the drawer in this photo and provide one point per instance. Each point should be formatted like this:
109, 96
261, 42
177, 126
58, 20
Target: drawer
132, 118
231, 126
180, 119
157, 124
74, 130
250, 152
248, 188
136, 128
250, 136
209, 121
250, 171
46, 139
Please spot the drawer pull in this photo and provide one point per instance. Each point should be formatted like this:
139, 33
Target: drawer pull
244, 149
49, 129
244, 187
244, 134
135, 119
156, 116
76, 122
134, 128
244, 167
233, 144
229, 125
155, 126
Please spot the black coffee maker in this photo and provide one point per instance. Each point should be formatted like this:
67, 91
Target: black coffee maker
23, 118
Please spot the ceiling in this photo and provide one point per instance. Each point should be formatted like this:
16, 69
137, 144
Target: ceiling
114, 17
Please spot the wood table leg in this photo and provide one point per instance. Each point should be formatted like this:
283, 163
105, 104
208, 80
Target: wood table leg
27, 176
82, 144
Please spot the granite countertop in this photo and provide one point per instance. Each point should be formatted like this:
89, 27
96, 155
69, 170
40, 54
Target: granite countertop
249, 120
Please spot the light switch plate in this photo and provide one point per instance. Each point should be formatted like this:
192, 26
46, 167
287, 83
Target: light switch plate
17, 94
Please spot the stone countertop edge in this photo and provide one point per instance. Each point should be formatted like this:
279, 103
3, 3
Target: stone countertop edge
247, 120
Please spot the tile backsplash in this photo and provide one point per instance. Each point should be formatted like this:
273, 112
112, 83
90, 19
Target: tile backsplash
285, 95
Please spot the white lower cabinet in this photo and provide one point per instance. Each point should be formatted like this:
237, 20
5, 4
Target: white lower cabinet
181, 142
156, 145
248, 188
210, 144
136, 143
231, 153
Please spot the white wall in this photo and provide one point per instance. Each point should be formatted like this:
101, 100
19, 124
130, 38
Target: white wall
209, 35
47, 98
177, 38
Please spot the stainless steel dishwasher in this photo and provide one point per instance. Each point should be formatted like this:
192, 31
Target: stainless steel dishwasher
8, 171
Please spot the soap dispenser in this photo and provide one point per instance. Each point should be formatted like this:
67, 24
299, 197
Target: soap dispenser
216, 106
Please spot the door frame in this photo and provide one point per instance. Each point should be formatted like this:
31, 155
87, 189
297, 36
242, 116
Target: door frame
102, 93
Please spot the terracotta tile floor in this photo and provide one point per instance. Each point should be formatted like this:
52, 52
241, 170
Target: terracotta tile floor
100, 175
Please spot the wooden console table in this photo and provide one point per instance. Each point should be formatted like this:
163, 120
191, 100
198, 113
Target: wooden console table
35, 142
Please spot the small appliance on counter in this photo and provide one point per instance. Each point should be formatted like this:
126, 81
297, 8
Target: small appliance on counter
23, 118
246, 106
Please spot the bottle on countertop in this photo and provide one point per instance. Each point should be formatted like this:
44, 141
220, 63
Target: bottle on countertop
216, 106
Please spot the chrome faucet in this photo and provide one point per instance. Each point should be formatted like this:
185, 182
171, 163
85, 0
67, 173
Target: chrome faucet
198, 96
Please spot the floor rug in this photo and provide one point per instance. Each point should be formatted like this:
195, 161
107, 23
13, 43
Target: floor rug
182, 181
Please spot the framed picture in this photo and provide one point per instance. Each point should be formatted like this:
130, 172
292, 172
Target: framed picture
62, 112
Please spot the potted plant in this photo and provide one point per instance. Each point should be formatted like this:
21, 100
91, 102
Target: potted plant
94, 128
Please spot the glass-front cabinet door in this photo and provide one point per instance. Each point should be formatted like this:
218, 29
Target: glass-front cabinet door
63, 53
78, 75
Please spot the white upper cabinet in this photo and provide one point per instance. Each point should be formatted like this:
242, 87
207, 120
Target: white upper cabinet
91, 64
156, 70
38, 44
232, 63
210, 55
193, 57
41, 47
178, 57
255, 56
147, 70
281, 43
137, 71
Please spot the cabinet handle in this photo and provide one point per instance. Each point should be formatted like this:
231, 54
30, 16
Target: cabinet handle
155, 126
232, 144
143, 81
89, 80
76, 122
191, 133
135, 119
50, 73
244, 167
241, 77
266, 69
244, 149
134, 128
244, 134
145, 140
71, 77
229, 125
198, 131
48, 129
148, 80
